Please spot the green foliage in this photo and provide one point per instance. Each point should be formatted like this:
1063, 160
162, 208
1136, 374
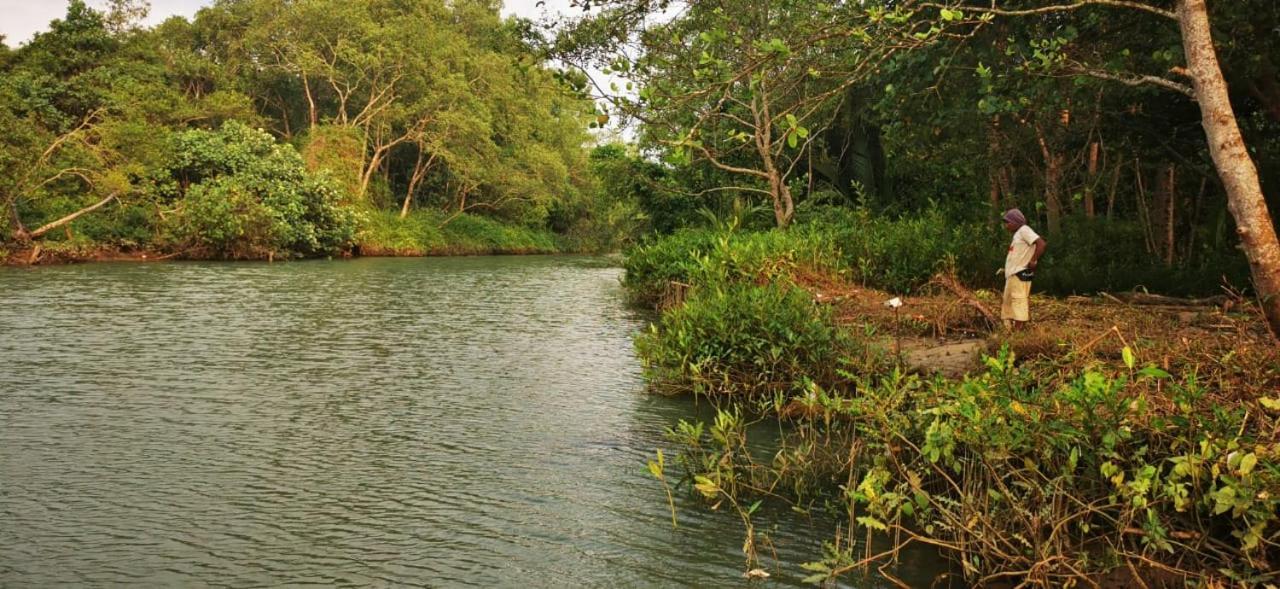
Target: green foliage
429, 232
239, 194
742, 339
608, 215
436, 105
901, 255
706, 257
1113, 255
1022, 468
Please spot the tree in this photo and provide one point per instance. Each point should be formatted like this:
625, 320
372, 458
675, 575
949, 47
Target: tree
751, 89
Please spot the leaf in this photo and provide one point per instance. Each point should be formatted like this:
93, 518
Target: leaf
1247, 463
1129, 360
792, 140
1270, 403
706, 486
655, 470
873, 523
814, 579
1153, 372
1225, 499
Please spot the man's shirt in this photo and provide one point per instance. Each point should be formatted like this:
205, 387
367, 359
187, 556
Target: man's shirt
1021, 250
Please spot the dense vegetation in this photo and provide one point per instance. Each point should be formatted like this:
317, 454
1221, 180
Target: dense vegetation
1074, 462
267, 129
1084, 117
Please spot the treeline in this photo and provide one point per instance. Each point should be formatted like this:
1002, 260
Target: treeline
1087, 117
274, 129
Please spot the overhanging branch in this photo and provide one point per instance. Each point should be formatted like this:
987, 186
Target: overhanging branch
1142, 80
1060, 8
72, 217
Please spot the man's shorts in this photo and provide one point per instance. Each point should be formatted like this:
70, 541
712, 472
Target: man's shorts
1016, 305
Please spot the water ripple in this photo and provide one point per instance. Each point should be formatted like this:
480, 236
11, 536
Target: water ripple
436, 422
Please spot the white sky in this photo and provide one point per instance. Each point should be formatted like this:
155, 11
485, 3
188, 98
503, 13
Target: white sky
21, 19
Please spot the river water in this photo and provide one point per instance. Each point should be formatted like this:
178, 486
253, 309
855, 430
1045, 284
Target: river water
389, 422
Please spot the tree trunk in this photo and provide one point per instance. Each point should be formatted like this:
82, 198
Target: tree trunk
1111, 192
783, 205
1170, 218
420, 169
1230, 156
16, 227
1052, 183
1093, 180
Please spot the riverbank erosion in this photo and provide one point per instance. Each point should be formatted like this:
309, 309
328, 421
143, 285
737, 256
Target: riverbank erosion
1122, 439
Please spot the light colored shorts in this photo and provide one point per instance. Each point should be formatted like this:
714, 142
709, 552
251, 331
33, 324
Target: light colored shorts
1016, 305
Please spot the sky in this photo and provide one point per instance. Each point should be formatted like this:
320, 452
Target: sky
24, 18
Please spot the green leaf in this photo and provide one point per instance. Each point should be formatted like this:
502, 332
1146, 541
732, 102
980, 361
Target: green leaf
792, 140
873, 523
1247, 463
1153, 372
1270, 403
814, 579
1129, 360
706, 486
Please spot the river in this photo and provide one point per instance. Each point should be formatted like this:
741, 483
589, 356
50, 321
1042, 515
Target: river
406, 422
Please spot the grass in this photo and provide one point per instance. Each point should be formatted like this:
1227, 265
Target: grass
432, 233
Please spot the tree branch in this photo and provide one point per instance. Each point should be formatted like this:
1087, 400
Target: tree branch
1142, 80
72, 217
1061, 8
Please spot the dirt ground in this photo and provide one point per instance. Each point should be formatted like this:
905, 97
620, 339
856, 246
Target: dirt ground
939, 331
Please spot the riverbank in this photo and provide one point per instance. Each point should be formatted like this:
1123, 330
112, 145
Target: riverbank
1110, 439
382, 234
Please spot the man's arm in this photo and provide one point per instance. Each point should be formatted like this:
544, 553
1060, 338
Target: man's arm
1040, 244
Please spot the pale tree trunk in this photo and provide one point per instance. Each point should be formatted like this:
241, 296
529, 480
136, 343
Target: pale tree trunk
420, 169
1237, 170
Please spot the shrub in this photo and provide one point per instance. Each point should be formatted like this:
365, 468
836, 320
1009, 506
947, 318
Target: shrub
701, 257
742, 339
239, 194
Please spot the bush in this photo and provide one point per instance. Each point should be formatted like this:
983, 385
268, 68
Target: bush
742, 339
239, 194
701, 257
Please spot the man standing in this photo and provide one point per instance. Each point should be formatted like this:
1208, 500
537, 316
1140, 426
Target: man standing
1019, 269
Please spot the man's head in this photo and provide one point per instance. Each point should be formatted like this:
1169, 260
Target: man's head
1013, 220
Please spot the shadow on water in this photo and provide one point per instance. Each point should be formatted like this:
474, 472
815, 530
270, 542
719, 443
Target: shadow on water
430, 422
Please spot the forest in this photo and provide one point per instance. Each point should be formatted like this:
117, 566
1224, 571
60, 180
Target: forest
808, 194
